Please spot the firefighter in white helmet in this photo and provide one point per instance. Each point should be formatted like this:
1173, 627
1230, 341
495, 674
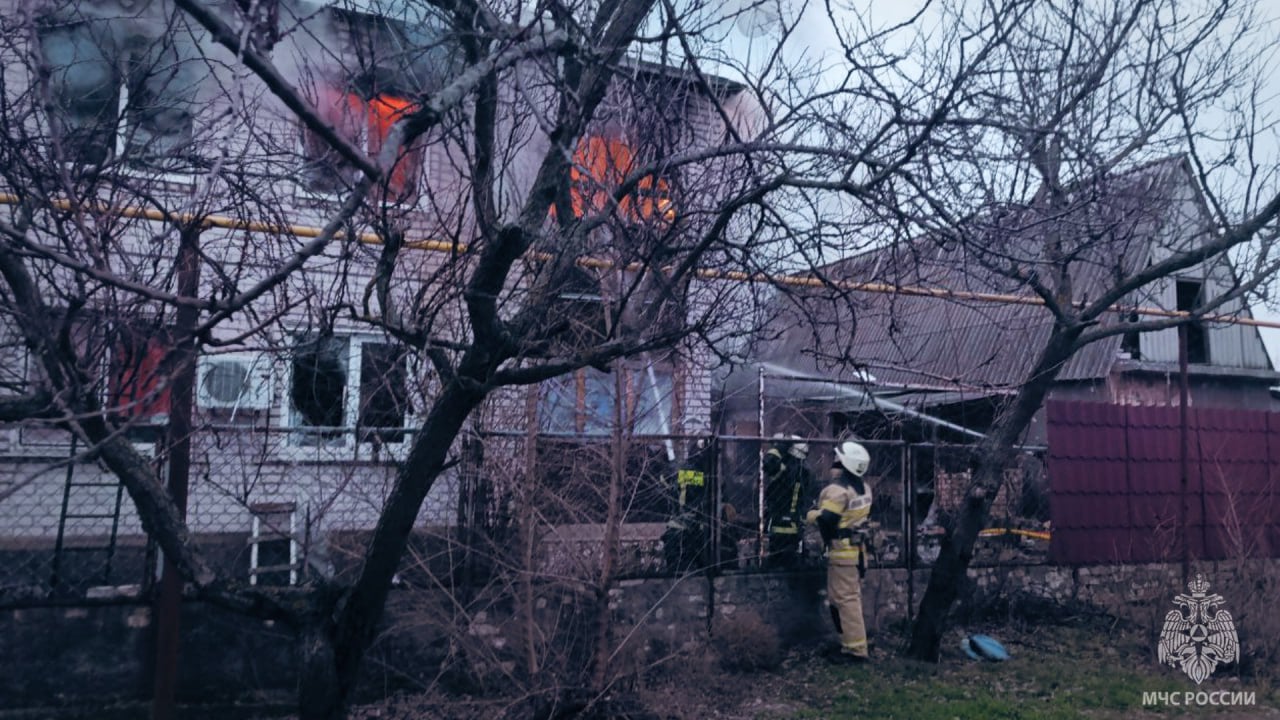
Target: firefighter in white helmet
841, 516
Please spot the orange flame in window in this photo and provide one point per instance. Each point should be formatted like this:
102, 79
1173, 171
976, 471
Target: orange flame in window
383, 112
600, 165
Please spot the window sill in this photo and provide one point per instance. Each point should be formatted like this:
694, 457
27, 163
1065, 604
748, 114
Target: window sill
59, 451
317, 199
340, 450
176, 182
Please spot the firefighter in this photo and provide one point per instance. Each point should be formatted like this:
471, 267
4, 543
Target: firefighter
842, 517
686, 536
787, 481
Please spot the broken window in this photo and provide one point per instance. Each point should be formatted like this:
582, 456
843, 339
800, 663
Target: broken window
1191, 298
384, 395
120, 88
366, 122
139, 383
385, 63
319, 385
324, 408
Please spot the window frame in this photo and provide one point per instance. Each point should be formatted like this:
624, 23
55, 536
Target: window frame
258, 512
601, 161
589, 424
413, 158
115, 151
107, 345
302, 438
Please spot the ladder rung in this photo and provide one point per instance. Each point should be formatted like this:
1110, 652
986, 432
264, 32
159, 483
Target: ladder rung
264, 539
274, 568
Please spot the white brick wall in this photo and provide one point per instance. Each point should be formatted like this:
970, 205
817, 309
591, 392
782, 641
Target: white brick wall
255, 144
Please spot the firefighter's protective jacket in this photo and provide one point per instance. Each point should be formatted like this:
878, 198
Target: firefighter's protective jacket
786, 479
842, 515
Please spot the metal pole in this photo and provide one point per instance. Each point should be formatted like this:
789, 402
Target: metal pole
715, 497
909, 508
1184, 394
55, 578
760, 549
169, 602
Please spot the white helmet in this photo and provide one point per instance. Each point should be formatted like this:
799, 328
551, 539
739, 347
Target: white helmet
798, 450
853, 457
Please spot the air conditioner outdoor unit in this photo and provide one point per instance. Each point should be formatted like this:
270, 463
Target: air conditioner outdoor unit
241, 382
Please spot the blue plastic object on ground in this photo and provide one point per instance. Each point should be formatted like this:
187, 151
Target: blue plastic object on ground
984, 647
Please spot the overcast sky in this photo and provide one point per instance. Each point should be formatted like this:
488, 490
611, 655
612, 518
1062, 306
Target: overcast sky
815, 40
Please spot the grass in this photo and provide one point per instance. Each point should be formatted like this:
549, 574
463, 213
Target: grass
1057, 673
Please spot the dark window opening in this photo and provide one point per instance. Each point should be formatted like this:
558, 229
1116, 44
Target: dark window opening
384, 394
115, 90
1131, 342
319, 385
1190, 299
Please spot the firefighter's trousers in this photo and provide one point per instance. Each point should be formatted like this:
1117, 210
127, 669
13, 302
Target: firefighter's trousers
844, 594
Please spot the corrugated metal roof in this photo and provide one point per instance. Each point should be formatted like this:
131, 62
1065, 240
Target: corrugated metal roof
1108, 232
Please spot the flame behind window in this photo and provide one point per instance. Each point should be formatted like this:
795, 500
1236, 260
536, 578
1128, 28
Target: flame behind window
367, 122
600, 165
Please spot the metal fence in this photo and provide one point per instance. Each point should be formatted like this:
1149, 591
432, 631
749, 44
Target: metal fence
556, 507
265, 505
272, 507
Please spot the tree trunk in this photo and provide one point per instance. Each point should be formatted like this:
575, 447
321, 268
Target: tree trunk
334, 648
319, 697
992, 455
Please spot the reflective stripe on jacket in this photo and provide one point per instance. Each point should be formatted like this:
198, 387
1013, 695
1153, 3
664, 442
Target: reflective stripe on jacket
854, 509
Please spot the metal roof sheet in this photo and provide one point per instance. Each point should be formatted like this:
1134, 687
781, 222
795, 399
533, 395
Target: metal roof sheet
942, 342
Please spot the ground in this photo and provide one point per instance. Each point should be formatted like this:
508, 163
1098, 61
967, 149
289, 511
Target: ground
1090, 668
1087, 669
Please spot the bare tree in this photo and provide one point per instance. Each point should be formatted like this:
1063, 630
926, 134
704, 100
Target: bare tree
1050, 182
160, 160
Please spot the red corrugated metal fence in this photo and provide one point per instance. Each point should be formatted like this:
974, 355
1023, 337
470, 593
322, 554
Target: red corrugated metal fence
1117, 490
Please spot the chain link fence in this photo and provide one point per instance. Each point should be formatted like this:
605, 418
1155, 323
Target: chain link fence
274, 507
265, 505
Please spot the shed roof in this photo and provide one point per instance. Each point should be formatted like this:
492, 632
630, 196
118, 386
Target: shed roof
1108, 230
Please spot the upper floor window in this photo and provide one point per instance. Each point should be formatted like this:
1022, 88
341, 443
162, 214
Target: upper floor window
1191, 298
600, 166
118, 92
366, 121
